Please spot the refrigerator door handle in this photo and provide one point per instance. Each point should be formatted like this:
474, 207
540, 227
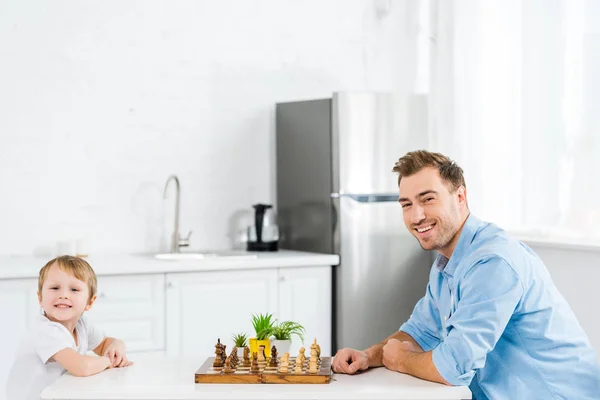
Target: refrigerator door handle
369, 198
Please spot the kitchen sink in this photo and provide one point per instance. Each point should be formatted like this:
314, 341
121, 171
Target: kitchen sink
229, 255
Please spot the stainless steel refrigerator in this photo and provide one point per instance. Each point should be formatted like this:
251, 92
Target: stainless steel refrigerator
336, 193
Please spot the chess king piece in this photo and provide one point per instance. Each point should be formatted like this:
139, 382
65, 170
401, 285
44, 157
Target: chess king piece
218, 352
228, 368
254, 366
273, 361
246, 356
285, 362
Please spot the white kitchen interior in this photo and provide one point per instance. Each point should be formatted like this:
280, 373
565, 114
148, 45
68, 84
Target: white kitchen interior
102, 101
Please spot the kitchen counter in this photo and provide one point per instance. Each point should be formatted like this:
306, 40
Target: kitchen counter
29, 267
161, 378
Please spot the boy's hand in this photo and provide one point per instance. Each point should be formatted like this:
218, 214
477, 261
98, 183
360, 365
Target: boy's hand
116, 354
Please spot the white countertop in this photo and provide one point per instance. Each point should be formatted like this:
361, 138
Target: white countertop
29, 267
161, 378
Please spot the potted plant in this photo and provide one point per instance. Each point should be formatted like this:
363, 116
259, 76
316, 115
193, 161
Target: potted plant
262, 323
282, 335
240, 340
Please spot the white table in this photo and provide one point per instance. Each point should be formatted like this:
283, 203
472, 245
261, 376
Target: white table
160, 378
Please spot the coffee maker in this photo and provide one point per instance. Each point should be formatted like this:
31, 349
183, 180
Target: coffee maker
264, 234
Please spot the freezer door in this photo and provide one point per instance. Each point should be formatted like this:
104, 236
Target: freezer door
370, 132
383, 270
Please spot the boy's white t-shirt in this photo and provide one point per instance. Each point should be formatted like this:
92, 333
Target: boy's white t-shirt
34, 368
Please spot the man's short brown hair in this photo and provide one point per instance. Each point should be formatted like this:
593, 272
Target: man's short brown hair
414, 161
74, 266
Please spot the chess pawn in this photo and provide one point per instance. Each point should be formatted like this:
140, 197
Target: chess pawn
228, 368
298, 368
312, 366
254, 365
224, 353
261, 353
246, 356
283, 366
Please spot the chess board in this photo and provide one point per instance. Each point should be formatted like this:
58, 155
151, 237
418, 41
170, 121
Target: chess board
266, 374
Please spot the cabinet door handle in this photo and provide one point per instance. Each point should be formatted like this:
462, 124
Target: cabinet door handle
282, 279
170, 284
101, 295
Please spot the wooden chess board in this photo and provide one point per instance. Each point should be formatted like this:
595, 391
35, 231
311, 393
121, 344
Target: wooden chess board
266, 374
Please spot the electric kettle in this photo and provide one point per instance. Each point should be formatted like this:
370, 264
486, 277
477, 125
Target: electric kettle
264, 234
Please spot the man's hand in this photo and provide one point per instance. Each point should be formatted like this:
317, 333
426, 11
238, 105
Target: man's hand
393, 353
116, 354
349, 361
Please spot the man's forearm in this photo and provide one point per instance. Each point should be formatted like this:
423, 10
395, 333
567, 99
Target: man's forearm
421, 365
375, 352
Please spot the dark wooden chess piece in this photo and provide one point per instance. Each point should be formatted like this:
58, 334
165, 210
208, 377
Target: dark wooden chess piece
234, 357
246, 356
273, 361
254, 366
224, 353
219, 354
228, 368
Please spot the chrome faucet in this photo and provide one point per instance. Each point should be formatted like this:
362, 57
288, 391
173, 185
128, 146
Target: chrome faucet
176, 240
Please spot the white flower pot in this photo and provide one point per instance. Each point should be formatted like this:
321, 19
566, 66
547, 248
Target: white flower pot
282, 346
240, 352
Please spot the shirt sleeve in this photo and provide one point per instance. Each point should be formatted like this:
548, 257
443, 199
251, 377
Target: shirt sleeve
95, 335
51, 338
424, 323
488, 295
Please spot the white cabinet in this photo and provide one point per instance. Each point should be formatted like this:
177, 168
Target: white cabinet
204, 306
305, 297
18, 307
132, 308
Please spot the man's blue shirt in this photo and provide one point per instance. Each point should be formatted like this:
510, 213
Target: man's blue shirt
496, 322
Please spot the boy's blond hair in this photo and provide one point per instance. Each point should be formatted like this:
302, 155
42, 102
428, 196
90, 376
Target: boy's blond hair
74, 266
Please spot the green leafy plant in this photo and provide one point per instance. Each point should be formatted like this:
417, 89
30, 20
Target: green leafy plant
285, 329
262, 325
240, 340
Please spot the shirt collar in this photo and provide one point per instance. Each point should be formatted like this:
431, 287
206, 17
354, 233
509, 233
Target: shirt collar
469, 230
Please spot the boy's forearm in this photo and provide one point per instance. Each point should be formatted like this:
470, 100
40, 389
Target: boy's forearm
375, 352
91, 365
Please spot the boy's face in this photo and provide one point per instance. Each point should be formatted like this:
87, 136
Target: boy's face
64, 298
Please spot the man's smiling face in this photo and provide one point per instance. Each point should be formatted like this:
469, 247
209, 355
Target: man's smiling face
433, 212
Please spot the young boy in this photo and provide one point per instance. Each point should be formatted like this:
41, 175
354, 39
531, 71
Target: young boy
61, 337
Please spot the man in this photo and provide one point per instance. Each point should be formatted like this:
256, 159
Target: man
491, 317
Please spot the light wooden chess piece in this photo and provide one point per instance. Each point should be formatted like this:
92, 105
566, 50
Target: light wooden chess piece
298, 368
228, 368
261, 353
301, 356
312, 362
285, 362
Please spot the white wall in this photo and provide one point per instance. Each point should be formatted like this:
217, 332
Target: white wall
576, 273
102, 100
